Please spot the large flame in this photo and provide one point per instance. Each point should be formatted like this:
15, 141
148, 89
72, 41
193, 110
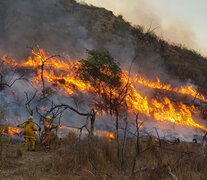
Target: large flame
62, 73
185, 90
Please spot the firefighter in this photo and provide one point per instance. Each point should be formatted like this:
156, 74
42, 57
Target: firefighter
29, 133
46, 135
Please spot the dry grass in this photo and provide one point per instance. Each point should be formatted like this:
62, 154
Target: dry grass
96, 158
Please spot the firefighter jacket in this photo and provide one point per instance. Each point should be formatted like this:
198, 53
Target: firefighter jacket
29, 129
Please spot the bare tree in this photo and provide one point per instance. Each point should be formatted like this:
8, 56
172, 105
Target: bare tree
29, 101
57, 110
8, 82
37, 52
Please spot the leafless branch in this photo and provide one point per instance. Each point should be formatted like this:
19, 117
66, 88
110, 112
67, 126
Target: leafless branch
43, 61
28, 102
160, 143
10, 84
65, 106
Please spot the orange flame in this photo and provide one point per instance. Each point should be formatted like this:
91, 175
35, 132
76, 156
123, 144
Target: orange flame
13, 131
187, 90
101, 133
106, 134
64, 75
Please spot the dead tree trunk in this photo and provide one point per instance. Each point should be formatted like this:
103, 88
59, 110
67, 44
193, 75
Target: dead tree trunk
117, 132
42, 78
92, 118
125, 137
137, 146
124, 142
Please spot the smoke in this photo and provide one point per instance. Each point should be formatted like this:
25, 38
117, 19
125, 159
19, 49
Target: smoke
24, 23
141, 12
55, 26
58, 26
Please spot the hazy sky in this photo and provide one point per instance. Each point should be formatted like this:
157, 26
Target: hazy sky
182, 21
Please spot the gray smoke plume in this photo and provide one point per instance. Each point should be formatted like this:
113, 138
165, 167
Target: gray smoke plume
47, 23
57, 26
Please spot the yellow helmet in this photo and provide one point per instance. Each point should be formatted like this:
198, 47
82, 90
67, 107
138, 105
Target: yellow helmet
30, 118
48, 118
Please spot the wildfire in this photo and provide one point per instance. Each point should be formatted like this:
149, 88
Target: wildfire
187, 90
108, 135
63, 74
101, 133
12, 131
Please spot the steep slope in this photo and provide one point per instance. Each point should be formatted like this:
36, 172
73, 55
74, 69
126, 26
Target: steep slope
69, 27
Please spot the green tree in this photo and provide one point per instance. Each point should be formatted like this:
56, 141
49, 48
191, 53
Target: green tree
104, 75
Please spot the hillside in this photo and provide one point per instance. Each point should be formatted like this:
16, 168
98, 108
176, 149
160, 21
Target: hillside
69, 27
125, 103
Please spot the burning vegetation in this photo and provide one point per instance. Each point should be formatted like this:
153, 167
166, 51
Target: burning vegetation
116, 123
117, 88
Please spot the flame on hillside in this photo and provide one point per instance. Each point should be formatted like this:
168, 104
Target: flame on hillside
187, 90
101, 133
12, 131
106, 134
63, 74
